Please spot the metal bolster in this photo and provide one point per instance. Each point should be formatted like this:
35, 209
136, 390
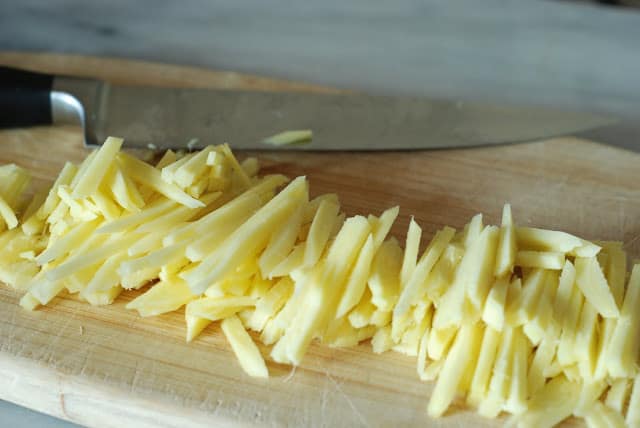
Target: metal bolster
72, 102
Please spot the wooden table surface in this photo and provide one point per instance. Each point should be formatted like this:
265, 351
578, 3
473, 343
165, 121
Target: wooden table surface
105, 366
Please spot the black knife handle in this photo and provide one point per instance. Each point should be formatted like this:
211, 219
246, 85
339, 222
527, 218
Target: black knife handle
25, 98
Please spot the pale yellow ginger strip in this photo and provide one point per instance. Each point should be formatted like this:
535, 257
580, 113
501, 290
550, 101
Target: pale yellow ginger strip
410, 342
623, 347
585, 344
29, 302
146, 244
249, 238
530, 238
103, 297
172, 268
380, 318
214, 158
242, 206
293, 262
138, 279
507, 248
383, 225
67, 243
441, 276
197, 189
566, 349
312, 207
290, 137
618, 394
65, 177
495, 305
540, 259
421, 359
499, 386
478, 272
431, 254
322, 296
603, 416
566, 284
167, 171
484, 367
357, 283
216, 308
149, 176
321, 226
251, 166
473, 277
275, 328
384, 279
82, 169
192, 169
269, 305
348, 336
33, 207
125, 191
155, 259
245, 349
78, 281
77, 207
411, 249
132, 220
532, 288
551, 405
58, 215
588, 249
163, 297
516, 402
590, 392
633, 410
439, 341
543, 324
13, 185
235, 165
7, 214
616, 270
281, 243
176, 216
381, 341
195, 326
361, 315
606, 329
206, 244
106, 277
261, 286
92, 257
106, 207
44, 290
472, 230
89, 181
593, 284
167, 158
542, 358
454, 367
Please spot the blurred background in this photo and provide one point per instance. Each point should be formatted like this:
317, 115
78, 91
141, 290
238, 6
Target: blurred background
572, 54
580, 54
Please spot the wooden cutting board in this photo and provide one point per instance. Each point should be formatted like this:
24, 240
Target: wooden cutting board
105, 366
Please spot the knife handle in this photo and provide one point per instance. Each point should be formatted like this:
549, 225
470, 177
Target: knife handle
25, 98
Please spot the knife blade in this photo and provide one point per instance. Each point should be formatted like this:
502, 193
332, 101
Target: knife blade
153, 117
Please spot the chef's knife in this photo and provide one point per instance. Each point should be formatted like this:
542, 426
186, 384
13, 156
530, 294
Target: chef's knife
152, 117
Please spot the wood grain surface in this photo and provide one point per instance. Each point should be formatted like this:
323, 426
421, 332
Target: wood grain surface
105, 366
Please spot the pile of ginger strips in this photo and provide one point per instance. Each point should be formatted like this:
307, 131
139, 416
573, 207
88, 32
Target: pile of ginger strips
536, 323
